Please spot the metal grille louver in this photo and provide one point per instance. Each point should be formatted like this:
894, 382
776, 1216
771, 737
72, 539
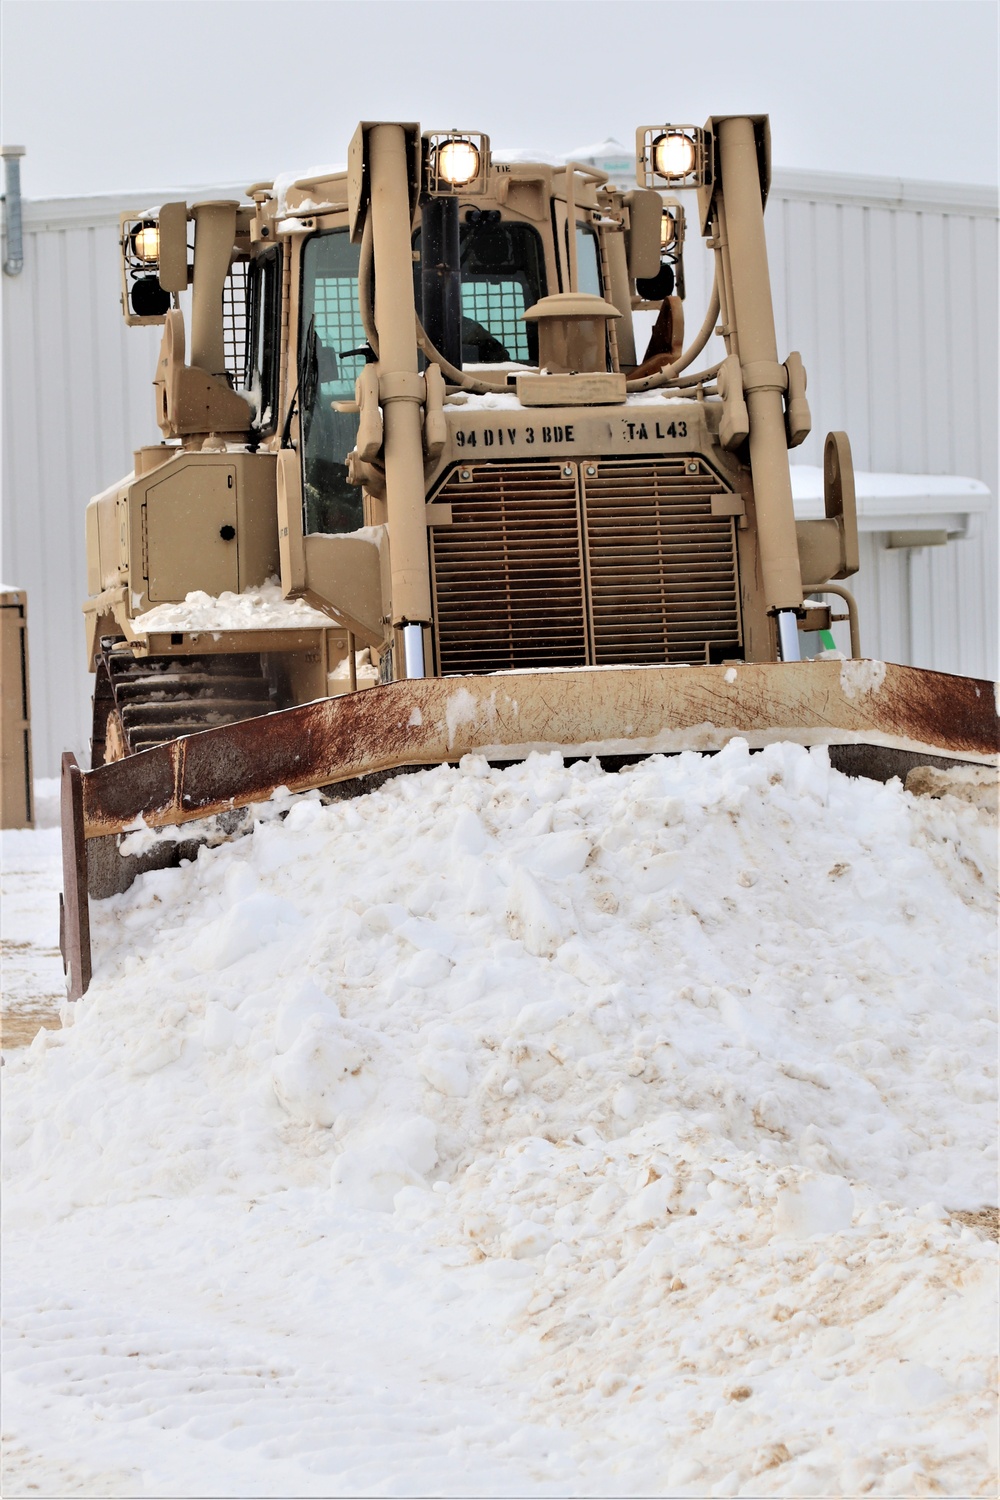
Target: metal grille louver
508, 573
529, 541
662, 568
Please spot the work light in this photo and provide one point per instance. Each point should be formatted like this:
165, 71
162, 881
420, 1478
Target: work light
458, 162
674, 154
146, 243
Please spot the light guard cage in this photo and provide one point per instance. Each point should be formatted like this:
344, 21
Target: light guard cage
437, 186
675, 250
134, 269
673, 253
646, 174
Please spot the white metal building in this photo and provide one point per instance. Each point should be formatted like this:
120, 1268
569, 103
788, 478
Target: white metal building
888, 289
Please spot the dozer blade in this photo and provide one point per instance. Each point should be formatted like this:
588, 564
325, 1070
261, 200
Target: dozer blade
878, 720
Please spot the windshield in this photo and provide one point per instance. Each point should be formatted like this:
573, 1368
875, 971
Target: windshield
503, 273
330, 340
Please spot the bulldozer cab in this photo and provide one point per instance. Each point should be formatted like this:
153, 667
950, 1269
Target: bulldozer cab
502, 269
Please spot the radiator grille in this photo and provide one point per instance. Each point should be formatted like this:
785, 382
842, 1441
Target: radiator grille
528, 541
508, 571
662, 568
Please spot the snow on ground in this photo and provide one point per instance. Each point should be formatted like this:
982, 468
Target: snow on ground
33, 985
528, 1131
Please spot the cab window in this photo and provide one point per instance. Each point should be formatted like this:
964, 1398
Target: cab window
503, 274
331, 340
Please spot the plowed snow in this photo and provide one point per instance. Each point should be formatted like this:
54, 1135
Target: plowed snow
530, 1131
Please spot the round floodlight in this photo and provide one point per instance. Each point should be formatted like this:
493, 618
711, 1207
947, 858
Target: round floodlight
457, 162
668, 230
146, 243
674, 154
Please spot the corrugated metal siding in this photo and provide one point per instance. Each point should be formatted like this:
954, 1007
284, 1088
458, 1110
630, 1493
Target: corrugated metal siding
888, 291
76, 400
894, 310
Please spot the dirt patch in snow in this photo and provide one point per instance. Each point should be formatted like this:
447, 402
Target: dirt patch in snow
18, 1028
30, 877
986, 1220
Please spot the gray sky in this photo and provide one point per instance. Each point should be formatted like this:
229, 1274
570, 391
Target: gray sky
123, 94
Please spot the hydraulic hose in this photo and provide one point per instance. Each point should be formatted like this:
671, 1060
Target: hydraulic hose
651, 383
671, 376
366, 297
455, 375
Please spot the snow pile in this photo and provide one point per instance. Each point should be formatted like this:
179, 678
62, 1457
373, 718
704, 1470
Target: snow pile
260, 608
667, 1081
365, 671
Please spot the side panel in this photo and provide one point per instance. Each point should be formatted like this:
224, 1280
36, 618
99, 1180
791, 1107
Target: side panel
191, 533
203, 521
257, 520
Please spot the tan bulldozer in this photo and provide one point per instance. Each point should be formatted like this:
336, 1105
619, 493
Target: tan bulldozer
420, 494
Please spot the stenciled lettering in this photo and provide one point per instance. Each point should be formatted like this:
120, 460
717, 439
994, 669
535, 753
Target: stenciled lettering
489, 437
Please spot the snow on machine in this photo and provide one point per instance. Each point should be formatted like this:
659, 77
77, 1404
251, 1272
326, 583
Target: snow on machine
411, 392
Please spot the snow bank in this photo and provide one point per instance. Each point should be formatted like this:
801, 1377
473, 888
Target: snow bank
677, 1073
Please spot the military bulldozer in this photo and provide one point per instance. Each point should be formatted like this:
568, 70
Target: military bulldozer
422, 493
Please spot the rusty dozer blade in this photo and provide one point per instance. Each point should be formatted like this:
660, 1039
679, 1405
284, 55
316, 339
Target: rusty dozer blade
878, 720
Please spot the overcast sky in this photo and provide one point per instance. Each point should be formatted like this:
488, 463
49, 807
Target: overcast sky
133, 94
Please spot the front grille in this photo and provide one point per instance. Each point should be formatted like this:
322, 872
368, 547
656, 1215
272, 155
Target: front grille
662, 568
508, 571
528, 542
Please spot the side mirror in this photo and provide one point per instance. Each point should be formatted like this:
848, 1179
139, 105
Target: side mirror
173, 247
642, 238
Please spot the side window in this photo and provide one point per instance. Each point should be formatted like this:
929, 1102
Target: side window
330, 340
264, 338
588, 261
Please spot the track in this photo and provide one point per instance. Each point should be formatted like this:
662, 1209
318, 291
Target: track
140, 703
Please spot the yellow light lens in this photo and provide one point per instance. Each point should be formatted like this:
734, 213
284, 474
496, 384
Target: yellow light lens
674, 154
146, 243
668, 230
458, 162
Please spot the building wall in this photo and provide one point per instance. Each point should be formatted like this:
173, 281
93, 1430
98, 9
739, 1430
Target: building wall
77, 399
888, 290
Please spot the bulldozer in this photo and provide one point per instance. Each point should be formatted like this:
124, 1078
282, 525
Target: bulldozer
422, 493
